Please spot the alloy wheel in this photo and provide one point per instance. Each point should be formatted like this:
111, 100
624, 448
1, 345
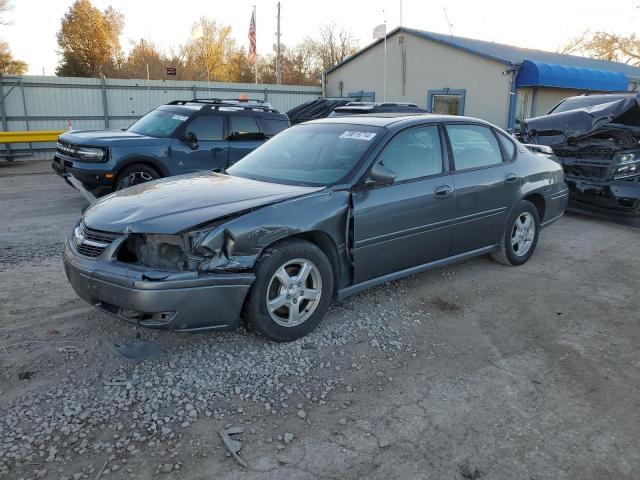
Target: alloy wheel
294, 292
523, 233
135, 178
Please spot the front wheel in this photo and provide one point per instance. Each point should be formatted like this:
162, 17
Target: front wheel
292, 291
521, 235
136, 174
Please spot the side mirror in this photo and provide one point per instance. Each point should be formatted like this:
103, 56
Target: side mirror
190, 139
381, 175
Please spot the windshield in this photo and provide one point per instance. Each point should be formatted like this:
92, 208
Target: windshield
576, 103
158, 123
313, 154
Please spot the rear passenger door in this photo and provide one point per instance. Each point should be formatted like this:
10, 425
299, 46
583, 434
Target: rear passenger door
244, 136
486, 186
211, 150
407, 223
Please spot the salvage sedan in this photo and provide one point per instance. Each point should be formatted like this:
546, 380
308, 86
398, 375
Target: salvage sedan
324, 210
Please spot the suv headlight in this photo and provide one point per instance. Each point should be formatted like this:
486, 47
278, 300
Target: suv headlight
90, 154
627, 164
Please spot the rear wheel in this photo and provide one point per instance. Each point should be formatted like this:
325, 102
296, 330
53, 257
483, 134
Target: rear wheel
292, 291
521, 235
136, 174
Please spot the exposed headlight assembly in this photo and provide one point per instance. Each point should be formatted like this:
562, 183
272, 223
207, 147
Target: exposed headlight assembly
627, 165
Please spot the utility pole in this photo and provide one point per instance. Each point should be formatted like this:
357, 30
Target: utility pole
278, 59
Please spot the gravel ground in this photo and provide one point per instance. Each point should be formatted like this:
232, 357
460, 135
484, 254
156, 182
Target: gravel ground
474, 371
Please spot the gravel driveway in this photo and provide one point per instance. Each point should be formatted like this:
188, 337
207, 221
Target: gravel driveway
475, 371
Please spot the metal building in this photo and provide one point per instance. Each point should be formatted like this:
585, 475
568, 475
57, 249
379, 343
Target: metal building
463, 76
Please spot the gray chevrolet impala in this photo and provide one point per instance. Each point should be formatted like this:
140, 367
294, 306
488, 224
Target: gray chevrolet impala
321, 211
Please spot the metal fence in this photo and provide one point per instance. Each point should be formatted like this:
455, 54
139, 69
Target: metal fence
54, 103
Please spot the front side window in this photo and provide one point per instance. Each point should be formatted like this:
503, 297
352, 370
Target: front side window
473, 146
207, 128
414, 153
313, 154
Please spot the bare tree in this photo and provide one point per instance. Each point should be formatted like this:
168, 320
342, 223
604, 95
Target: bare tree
605, 46
333, 45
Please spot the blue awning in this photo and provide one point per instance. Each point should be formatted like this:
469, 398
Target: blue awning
540, 74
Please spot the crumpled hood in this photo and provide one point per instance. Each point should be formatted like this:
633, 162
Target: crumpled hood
175, 204
109, 138
574, 124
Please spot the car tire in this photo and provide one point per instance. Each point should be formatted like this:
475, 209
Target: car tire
134, 175
521, 235
278, 305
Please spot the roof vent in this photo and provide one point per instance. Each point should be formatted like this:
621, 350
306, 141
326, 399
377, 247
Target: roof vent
401, 39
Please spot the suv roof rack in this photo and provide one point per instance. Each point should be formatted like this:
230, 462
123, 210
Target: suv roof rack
240, 104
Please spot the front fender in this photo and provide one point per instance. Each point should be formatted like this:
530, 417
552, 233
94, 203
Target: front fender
239, 242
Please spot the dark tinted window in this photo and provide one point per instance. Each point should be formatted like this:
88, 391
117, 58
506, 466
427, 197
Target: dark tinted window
473, 146
242, 125
273, 126
507, 144
414, 153
207, 127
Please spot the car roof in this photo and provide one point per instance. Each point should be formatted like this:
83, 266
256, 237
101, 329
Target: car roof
604, 96
396, 119
192, 108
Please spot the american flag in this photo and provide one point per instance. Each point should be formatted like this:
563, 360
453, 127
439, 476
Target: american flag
252, 37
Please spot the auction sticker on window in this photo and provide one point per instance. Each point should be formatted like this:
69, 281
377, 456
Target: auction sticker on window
181, 118
356, 135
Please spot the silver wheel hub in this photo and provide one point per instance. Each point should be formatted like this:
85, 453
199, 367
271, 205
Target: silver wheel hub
135, 178
522, 234
293, 292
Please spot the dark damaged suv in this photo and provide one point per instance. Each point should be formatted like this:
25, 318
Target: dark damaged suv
596, 138
181, 137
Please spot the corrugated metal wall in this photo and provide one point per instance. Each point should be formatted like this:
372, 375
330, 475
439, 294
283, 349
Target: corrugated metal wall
49, 103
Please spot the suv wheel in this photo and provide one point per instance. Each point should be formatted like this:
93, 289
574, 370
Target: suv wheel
292, 291
521, 235
136, 174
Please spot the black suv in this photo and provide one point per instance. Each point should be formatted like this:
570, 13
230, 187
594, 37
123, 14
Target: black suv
182, 136
358, 108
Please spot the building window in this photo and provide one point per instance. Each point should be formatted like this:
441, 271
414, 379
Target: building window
446, 101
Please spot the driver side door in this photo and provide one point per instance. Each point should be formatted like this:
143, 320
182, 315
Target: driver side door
408, 222
211, 149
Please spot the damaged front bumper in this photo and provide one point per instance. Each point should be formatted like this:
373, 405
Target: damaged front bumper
621, 197
180, 301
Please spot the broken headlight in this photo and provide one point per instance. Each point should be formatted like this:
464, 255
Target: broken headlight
164, 252
627, 164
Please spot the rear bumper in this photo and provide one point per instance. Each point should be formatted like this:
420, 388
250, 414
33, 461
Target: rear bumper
183, 301
616, 197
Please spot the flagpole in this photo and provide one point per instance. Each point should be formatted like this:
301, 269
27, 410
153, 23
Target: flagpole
384, 91
255, 61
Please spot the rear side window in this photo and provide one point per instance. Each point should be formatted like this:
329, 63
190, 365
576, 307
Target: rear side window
414, 153
207, 127
473, 146
243, 125
507, 144
274, 126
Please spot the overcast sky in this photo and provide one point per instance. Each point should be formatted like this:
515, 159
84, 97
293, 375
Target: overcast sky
543, 24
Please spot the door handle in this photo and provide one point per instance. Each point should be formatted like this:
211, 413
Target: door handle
511, 178
442, 191
217, 149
